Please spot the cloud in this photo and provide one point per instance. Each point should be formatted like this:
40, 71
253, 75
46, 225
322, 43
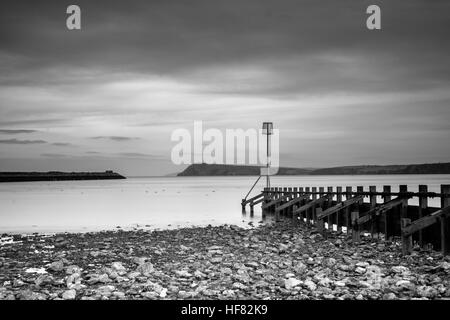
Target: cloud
12, 131
53, 155
16, 141
62, 144
139, 155
115, 138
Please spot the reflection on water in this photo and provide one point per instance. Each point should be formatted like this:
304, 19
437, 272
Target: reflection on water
168, 202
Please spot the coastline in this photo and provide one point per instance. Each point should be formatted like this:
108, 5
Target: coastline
278, 261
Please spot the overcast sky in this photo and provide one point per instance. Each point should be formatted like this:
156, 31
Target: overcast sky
109, 95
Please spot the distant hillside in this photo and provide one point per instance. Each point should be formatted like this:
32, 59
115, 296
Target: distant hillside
57, 176
433, 168
235, 170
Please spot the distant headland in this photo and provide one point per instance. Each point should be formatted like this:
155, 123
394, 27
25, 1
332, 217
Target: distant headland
240, 170
57, 176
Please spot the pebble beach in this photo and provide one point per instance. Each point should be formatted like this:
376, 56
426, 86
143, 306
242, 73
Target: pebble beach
275, 261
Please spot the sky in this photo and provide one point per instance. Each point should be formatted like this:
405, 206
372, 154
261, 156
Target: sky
110, 95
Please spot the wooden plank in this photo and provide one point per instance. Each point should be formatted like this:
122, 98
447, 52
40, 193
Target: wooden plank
327, 205
381, 209
426, 221
347, 212
404, 205
407, 243
388, 219
340, 206
338, 215
290, 203
355, 227
244, 202
311, 204
445, 221
373, 204
423, 209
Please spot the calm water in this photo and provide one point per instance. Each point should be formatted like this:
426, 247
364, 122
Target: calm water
158, 202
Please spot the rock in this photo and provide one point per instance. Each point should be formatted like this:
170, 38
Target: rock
183, 273
360, 270
400, 270
329, 262
405, 285
30, 295
106, 290
69, 294
427, 292
310, 285
119, 268
291, 283
43, 279
300, 267
389, 296
239, 286
56, 266
145, 269
73, 269
139, 260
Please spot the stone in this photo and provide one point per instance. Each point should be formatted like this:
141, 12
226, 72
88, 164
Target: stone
69, 294
145, 269
119, 268
310, 285
291, 283
73, 269
405, 285
56, 266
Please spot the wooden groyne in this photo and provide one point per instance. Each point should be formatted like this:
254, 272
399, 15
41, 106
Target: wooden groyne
381, 213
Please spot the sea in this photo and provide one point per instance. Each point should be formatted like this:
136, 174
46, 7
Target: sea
161, 202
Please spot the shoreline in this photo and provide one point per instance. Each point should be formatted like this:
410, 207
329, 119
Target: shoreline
278, 261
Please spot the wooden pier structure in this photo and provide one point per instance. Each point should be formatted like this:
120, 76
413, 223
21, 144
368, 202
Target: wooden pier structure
338, 210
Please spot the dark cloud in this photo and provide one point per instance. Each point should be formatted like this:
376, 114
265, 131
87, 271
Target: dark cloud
16, 141
53, 155
18, 131
62, 144
115, 138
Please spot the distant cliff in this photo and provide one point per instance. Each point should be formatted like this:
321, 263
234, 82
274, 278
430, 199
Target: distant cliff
235, 170
57, 176
432, 168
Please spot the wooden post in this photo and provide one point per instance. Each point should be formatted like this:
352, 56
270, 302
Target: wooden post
313, 209
243, 206
320, 223
423, 209
445, 221
373, 204
251, 209
328, 205
388, 224
338, 200
355, 227
347, 216
407, 243
404, 206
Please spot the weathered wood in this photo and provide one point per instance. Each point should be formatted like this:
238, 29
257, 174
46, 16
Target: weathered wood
311, 204
328, 205
338, 215
320, 224
445, 221
388, 221
407, 243
373, 204
380, 210
244, 202
290, 203
404, 205
355, 227
347, 212
427, 221
274, 202
423, 209
340, 206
